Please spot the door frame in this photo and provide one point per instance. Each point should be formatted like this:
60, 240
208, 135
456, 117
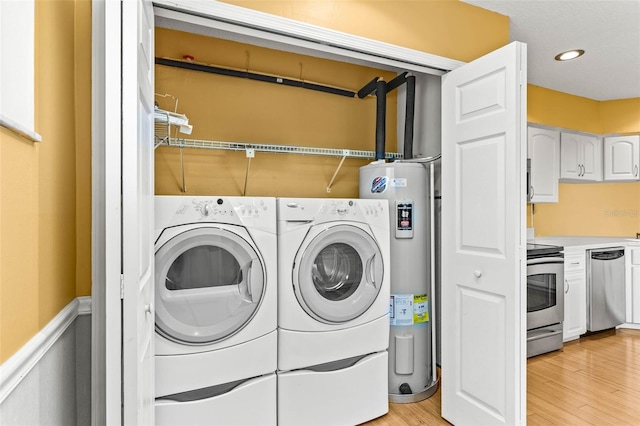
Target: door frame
223, 21
106, 241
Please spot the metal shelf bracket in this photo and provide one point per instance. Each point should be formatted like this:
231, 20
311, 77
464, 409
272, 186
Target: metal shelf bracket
345, 154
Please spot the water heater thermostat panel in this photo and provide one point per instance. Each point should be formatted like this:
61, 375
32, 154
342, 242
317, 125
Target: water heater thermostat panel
404, 219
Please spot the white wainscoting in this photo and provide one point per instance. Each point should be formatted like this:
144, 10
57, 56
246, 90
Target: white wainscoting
48, 380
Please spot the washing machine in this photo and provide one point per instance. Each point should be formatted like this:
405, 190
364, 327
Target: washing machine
216, 310
333, 310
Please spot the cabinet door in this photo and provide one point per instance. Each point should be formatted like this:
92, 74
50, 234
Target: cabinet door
580, 157
632, 259
569, 156
575, 294
621, 157
544, 152
591, 157
575, 306
635, 293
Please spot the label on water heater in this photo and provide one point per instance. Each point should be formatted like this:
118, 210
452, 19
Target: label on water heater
408, 309
398, 182
401, 309
404, 219
379, 184
420, 308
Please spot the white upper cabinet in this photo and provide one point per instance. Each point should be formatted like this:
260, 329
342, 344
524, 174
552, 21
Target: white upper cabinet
621, 158
580, 157
543, 150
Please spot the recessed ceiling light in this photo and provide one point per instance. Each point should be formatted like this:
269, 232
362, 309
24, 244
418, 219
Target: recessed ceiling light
570, 54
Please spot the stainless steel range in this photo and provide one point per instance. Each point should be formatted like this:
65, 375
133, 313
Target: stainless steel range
545, 298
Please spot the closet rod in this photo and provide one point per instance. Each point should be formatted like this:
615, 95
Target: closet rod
254, 76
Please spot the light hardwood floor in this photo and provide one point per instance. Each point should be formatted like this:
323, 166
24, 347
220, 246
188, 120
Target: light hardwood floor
592, 381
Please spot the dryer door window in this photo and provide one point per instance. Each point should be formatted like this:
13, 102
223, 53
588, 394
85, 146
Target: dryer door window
209, 284
338, 273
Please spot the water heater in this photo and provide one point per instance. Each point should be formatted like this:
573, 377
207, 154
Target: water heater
408, 187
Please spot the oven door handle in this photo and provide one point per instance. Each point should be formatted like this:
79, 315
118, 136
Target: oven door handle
545, 260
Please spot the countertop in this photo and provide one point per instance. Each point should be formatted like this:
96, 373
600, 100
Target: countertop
584, 242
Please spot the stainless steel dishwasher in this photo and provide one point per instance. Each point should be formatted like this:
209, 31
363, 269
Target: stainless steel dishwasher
605, 288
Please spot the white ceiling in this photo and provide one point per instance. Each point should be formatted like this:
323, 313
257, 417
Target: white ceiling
607, 30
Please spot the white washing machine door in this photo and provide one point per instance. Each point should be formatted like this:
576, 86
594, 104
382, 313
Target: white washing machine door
209, 284
338, 272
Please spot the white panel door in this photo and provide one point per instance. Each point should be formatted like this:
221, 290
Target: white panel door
483, 240
137, 211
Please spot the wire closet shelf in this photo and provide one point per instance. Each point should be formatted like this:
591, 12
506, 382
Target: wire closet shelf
273, 148
168, 124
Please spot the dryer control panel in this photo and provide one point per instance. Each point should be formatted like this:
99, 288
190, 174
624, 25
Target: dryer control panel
251, 212
213, 208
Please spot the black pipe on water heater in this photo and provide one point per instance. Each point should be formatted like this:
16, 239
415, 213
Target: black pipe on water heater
368, 88
397, 81
409, 117
381, 110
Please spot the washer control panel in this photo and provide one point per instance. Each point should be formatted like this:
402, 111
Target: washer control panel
350, 209
219, 207
374, 210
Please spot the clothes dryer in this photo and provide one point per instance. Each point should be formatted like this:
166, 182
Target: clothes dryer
333, 310
216, 310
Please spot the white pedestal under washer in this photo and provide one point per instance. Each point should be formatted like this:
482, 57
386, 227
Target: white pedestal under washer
216, 310
333, 306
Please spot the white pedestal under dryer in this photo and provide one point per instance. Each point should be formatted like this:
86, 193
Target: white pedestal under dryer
216, 310
333, 323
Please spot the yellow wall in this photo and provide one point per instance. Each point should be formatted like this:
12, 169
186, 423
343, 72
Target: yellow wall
231, 109
448, 28
45, 201
552, 108
19, 202
82, 77
620, 116
600, 209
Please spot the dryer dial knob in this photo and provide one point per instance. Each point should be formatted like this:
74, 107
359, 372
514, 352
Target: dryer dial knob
206, 209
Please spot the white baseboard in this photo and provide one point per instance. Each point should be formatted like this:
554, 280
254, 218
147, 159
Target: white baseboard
630, 325
22, 362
